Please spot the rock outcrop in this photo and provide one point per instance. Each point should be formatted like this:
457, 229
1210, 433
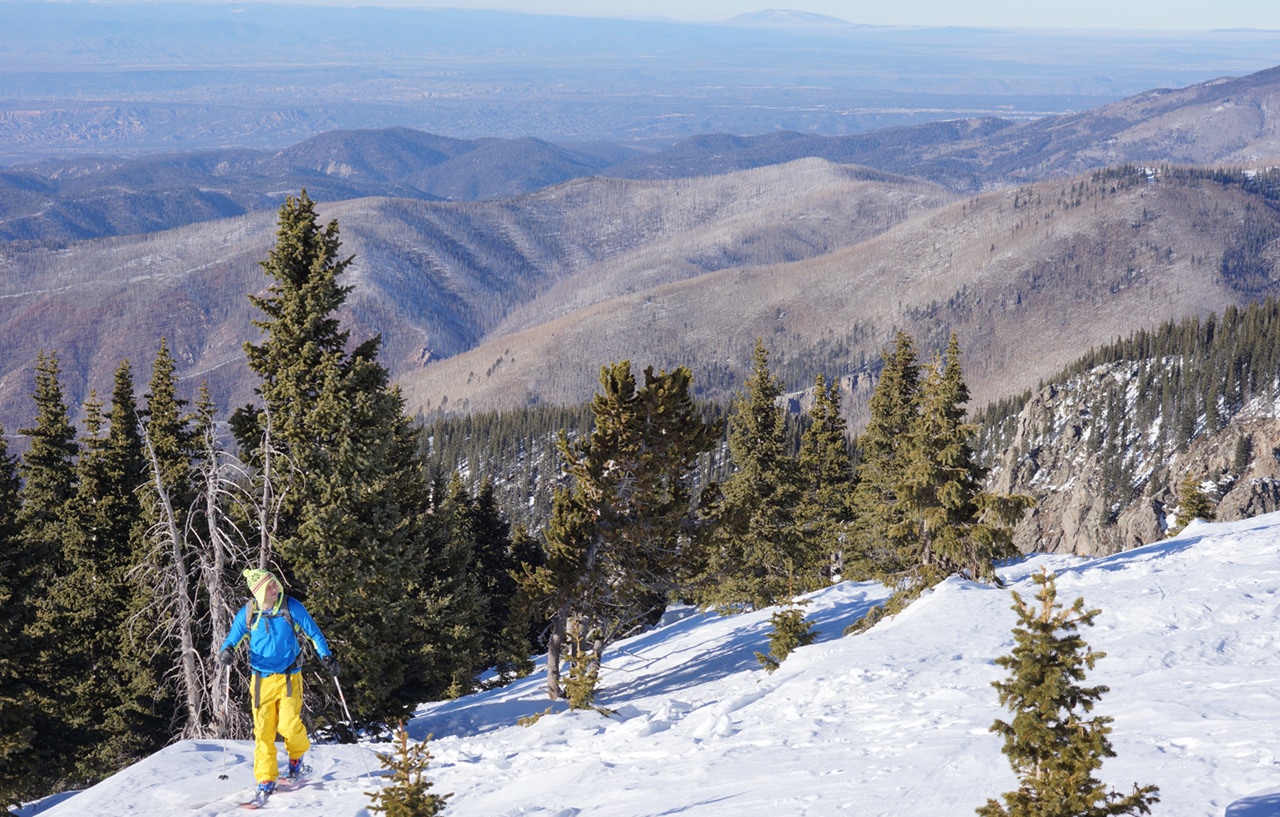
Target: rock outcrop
1099, 489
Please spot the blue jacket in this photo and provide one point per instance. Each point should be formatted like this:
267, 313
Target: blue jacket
273, 644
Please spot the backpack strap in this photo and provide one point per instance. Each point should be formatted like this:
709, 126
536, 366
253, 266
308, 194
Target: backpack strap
251, 607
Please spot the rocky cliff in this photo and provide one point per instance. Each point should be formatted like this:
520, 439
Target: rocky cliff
1104, 482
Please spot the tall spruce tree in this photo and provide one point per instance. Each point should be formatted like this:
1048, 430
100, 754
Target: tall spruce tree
172, 648
826, 475
49, 484
137, 721
48, 475
504, 643
618, 535
876, 552
87, 605
754, 551
1051, 744
945, 521
19, 778
354, 536
456, 513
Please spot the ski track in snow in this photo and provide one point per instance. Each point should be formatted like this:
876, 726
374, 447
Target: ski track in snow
892, 722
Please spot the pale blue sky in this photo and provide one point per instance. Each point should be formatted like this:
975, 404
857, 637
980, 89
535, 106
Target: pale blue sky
1148, 14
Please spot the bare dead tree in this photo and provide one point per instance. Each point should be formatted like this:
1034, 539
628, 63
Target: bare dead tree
194, 554
219, 544
174, 594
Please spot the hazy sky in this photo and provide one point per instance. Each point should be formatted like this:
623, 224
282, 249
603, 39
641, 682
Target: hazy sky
1150, 14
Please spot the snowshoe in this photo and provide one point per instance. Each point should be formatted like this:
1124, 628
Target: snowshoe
297, 771
260, 797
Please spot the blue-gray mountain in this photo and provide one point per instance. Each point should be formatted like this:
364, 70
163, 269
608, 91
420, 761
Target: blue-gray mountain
135, 78
1228, 121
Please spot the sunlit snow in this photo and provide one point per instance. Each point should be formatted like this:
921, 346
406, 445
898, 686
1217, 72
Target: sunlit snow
892, 722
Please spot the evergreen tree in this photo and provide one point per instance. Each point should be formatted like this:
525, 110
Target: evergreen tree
948, 524
355, 535
1193, 503
48, 487
86, 609
48, 476
1242, 456
876, 551
168, 653
618, 534
826, 474
457, 517
790, 630
137, 721
504, 641
169, 432
754, 551
1051, 744
409, 793
20, 768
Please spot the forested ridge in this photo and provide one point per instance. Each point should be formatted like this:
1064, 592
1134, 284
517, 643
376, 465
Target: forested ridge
1188, 402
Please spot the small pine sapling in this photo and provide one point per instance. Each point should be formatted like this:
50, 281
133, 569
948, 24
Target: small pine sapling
790, 631
584, 673
580, 687
409, 793
1053, 749
1193, 503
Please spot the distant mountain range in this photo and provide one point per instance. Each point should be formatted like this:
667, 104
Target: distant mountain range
677, 257
131, 78
786, 18
96, 198
1225, 121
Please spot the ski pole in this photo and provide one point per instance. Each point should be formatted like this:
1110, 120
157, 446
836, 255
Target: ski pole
226, 705
351, 724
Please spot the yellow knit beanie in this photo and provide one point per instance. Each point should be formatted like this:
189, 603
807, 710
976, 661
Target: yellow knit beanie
259, 580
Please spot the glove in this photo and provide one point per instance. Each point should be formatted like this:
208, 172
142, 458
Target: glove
226, 657
330, 664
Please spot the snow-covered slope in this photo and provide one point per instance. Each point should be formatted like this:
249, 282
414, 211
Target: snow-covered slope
892, 722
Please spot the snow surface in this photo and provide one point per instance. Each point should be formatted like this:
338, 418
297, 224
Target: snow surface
892, 722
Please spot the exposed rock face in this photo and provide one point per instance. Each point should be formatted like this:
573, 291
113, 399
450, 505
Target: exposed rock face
1098, 491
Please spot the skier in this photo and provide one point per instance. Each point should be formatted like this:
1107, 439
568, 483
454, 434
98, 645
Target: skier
271, 621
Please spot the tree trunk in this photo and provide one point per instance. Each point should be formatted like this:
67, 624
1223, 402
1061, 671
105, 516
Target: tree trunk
555, 648
265, 515
213, 561
189, 675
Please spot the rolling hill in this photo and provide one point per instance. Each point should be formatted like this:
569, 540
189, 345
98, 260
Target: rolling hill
1230, 121
433, 278
1028, 278
1226, 121
507, 301
57, 202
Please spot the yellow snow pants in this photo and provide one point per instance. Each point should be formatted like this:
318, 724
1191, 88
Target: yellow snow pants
277, 708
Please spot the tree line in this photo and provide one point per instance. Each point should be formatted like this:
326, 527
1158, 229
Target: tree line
905, 505
120, 545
